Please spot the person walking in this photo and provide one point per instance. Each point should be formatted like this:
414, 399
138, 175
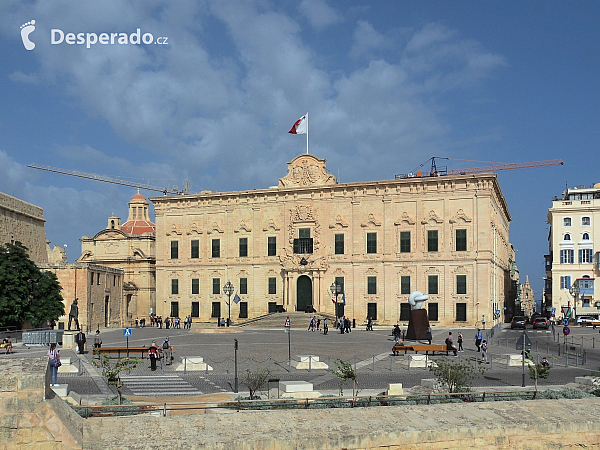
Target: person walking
319, 324
460, 342
153, 355
325, 326
429, 335
97, 340
54, 361
396, 333
450, 344
483, 321
478, 339
484, 357
166, 347
80, 341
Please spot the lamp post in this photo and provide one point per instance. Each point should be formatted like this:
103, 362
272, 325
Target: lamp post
574, 291
336, 289
228, 290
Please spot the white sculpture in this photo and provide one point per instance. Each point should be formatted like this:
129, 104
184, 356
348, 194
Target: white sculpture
416, 299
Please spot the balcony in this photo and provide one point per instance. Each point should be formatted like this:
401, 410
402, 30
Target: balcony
548, 263
303, 246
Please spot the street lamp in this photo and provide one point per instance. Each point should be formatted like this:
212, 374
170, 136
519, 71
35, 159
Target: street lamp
228, 290
336, 289
574, 291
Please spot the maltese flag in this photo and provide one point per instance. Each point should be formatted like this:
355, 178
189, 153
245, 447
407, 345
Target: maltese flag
300, 126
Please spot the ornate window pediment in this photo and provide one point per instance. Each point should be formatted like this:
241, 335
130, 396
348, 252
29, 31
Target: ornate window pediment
338, 223
271, 226
242, 227
460, 216
215, 228
371, 271
194, 229
302, 213
432, 218
174, 229
405, 219
371, 222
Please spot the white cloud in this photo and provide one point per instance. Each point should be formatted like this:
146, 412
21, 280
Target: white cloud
367, 39
319, 13
20, 77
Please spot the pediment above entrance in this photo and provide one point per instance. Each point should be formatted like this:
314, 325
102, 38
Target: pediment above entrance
306, 170
292, 262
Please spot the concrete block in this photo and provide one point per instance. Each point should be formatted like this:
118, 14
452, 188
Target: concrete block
429, 383
586, 381
514, 359
307, 358
417, 360
395, 389
193, 363
61, 390
301, 395
295, 386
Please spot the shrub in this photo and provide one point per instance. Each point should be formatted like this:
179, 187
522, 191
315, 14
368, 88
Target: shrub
567, 392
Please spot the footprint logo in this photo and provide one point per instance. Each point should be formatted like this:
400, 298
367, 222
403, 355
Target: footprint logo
26, 30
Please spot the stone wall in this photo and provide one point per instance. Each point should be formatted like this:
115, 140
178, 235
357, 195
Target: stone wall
30, 415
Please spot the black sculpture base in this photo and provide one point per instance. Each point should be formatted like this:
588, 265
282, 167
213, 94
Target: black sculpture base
417, 325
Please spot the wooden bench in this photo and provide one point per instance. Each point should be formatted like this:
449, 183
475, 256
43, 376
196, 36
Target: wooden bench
420, 348
123, 350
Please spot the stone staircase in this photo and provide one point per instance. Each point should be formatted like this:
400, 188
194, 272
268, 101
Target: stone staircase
298, 320
158, 386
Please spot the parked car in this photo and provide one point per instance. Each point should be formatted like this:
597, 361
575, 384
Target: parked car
540, 322
586, 320
518, 322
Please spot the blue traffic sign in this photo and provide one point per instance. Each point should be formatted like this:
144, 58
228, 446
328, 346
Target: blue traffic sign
565, 322
566, 331
127, 332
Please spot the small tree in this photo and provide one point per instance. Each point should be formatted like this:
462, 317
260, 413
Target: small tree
456, 376
255, 381
345, 372
112, 371
537, 370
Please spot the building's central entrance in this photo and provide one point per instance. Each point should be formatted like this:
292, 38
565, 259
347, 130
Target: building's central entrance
304, 298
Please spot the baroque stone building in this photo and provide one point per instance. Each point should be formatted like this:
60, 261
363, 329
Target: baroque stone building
23, 222
572, 263
286, 246
128, 247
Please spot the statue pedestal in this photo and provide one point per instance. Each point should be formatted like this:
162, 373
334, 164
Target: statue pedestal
417, 325
68, 340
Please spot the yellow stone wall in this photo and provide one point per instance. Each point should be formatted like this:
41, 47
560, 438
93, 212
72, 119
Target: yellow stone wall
308, 197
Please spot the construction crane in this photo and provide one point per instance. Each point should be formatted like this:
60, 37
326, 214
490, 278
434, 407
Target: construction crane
436, 171
93, 176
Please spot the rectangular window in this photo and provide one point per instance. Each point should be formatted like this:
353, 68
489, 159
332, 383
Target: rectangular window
565, 282
92, 278
215, 312
461, 284
339, 310
405, 285
585, 255
432, 311
272, 285
432, 284
339, 244
243, 247
586, 221
405, 242
174, 249
371, 242
195, 249
271, 246
216, 286
98, 278
243, 285
243, 310
195, 286
461, 240
304, 233
371, 285
216, 248
304, 243
461, 312
432, 240
174, 286
567, 222
195, 309
174, 309
340, 282
372, 310
114, 280
405, 312
567, 256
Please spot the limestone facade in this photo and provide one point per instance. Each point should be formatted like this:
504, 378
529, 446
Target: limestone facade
446, 236
573, 259
99, 293
23, 222
128, 247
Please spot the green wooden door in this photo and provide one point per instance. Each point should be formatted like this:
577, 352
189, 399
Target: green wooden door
304, 293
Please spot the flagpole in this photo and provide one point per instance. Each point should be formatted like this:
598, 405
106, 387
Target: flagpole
307, 133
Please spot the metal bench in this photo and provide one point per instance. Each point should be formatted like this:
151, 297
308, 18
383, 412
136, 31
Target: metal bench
420, 348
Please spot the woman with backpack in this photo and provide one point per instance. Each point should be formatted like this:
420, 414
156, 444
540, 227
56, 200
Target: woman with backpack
153, 355
54, 361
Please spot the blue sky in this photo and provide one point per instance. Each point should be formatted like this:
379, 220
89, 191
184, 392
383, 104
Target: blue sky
387, 85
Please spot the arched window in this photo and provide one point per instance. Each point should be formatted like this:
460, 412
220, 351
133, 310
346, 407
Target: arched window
586, 237
567, 237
